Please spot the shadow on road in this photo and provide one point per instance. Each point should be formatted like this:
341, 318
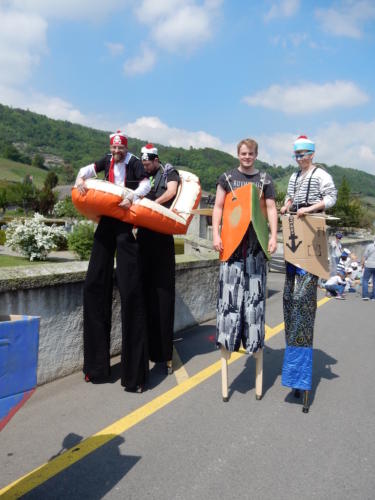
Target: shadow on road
272, 364
89, 469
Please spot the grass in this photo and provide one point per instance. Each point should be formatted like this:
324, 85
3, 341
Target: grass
12, 261
15, 172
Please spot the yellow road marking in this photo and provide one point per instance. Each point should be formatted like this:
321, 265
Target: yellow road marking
46, 471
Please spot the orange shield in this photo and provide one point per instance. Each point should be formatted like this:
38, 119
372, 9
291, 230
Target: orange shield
236, 219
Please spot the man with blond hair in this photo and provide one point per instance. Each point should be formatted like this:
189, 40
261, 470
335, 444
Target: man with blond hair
242, 279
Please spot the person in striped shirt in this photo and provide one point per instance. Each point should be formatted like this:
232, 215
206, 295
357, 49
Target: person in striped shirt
310, 189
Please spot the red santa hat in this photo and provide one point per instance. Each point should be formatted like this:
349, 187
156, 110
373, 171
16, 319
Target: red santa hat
118, 138
149, 152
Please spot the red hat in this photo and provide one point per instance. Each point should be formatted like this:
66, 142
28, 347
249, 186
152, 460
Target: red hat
149, 152
118, 138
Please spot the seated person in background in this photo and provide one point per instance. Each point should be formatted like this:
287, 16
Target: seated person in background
335, 285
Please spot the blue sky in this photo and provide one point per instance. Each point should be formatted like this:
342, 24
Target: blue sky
200, 72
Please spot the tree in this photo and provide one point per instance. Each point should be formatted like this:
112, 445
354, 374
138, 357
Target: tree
347, 208
38, 161
51, 181
11, 152
3, 200
68, 172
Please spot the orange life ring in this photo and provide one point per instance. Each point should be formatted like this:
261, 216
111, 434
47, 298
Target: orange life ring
103, 198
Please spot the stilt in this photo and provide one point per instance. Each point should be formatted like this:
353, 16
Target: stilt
258, 374
297, 393
169, 367
305, 408
225, 356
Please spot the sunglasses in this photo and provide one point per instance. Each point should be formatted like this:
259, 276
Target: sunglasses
299, 156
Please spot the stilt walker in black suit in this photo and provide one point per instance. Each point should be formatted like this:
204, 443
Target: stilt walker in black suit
158, 262
115, 237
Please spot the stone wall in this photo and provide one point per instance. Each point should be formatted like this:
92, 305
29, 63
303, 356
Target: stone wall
54, 292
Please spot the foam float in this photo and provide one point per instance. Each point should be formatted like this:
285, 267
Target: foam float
102, 199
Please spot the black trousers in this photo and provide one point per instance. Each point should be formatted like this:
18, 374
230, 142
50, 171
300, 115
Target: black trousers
158, 278
113, 236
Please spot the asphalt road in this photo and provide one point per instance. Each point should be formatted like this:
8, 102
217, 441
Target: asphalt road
178, 440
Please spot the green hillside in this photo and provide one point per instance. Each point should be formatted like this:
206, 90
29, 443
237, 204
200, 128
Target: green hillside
77, 145
15, 172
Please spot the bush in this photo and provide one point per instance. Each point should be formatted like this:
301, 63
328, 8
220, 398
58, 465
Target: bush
32, 237
61, 242
2, 237
81, 239
65, 208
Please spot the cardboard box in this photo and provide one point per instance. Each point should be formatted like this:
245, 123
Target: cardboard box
305, 243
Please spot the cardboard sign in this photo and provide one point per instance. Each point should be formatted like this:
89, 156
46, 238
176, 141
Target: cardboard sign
241, 207
305, 244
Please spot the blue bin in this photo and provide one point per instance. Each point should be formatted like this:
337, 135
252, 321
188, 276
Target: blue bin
19, 340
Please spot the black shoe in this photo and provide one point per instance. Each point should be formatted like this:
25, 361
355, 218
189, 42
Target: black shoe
138, 389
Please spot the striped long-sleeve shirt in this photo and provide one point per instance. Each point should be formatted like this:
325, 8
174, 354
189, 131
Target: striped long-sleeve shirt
310, 188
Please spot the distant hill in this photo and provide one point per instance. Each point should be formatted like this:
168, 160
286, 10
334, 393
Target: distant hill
64, 142
13, 171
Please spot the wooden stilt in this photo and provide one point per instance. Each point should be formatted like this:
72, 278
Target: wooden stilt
305, 408
258, 374
169, 367
225, 356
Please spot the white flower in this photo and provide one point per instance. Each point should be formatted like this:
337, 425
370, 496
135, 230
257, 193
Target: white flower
32, 237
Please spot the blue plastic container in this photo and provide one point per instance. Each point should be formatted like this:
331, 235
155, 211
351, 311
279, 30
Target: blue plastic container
19, 340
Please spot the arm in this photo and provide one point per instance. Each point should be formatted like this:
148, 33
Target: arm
289, 197
169, 194
328, 193
216, 218
141, 191
313, 208
365, 256
83, 174
286, 206
144, 186
272, 220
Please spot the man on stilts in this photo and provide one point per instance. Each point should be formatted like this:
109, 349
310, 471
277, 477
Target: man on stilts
114, 237
310, 190
242, 278
158, 262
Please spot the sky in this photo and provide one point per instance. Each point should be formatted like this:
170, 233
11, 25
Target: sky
200, 73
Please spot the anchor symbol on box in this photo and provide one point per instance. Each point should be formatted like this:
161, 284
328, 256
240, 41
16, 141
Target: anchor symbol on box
293, 237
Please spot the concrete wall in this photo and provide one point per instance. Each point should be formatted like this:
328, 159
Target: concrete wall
54, 292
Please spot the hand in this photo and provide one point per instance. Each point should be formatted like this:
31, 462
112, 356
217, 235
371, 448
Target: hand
284, 209
302, 211
272, 245
126, 203
217, 243
81, 185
